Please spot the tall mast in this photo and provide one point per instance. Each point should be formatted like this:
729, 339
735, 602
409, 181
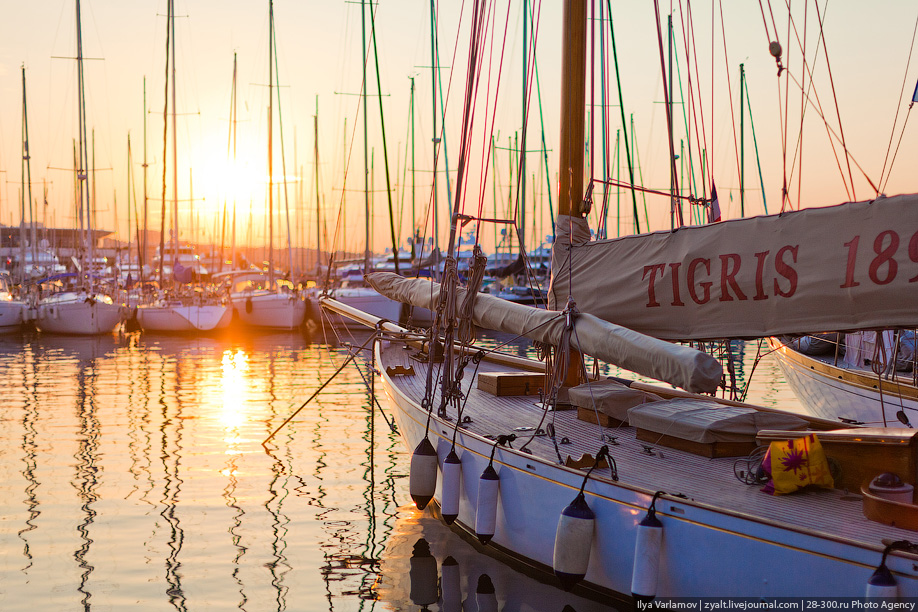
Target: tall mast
573, 100
318, 205
162, 210
522, 152
435, 140
175, 234
366, 173
83, 155
142, 243
270, 143
742, 148
413, 212
233, 145
26, 193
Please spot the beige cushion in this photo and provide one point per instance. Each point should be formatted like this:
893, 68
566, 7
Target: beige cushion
611, 398
707, 421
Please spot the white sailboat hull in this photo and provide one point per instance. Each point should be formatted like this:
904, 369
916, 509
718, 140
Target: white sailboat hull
179, 318
12, 316
833, 392
269, 309
77, 314
744, 553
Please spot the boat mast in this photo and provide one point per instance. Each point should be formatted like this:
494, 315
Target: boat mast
270, 217
435, 140
233, 143
366, 173
413, 212
573, 101
26, 189
315, 125
83, 157
162, 210
142, 243
522, 148
175, 233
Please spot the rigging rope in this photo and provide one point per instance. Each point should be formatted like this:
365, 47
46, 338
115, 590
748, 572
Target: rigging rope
884, 178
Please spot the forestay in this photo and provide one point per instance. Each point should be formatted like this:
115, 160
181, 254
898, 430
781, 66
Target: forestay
846, 267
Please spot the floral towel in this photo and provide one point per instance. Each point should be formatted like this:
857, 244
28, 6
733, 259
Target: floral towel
794, 464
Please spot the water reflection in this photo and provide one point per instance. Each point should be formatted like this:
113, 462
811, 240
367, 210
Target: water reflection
87, 470
434, 567
29, 454
134, 478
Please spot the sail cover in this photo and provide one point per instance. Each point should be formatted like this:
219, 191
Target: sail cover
678, 365
846, 267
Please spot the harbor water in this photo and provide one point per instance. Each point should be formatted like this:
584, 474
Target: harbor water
134, 477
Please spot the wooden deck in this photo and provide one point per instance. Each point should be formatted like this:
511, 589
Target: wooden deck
835, 514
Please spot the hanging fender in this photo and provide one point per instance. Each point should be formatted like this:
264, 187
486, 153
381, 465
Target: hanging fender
486, 515
422, 479
882, 584
647, 552
452, 482
573, 541
574, 536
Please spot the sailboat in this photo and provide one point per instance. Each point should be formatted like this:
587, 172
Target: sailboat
653, 490
861, 377
179, 309
263, 300
81, 308
353, 290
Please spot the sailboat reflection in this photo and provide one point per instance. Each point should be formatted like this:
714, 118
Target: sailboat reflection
433, 568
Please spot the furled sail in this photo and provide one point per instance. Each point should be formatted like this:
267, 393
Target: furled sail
679, 365
846, 267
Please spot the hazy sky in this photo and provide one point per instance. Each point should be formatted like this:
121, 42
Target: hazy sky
319, 47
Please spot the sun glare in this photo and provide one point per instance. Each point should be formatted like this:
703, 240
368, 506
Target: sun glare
233, 415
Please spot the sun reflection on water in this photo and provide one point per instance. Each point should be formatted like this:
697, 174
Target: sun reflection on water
233, 382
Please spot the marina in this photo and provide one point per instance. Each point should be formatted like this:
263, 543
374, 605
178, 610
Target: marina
135, 478
554, 307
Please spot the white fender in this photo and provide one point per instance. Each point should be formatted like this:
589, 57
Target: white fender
450, 586
485, 595
486, 515
573, 541
452, 482
882, 584
647, 549
422, 575
422, 480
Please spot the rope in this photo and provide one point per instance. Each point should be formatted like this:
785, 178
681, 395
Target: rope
466, 333
896, 120
319, 390
729, 88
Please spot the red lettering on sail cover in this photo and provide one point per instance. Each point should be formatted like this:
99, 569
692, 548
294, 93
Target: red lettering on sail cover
852, 258
729, 267
651, 295
675, 270
884, 256
913, 252
785, 270
706, 286
737, 283
759, 282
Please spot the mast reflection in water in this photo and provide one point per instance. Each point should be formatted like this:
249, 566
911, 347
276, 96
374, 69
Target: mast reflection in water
134, 477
